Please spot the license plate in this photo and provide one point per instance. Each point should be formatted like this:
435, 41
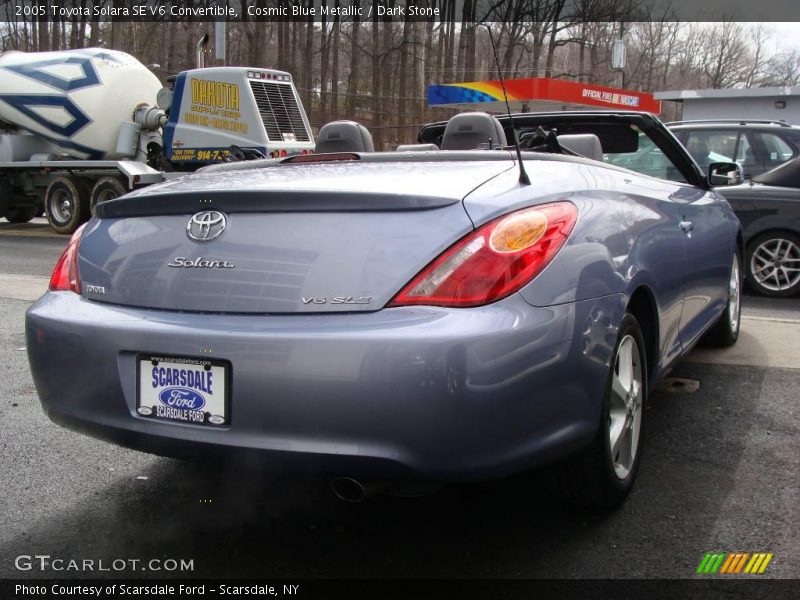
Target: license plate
183, 390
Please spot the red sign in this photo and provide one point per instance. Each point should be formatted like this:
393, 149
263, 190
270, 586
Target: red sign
540, 88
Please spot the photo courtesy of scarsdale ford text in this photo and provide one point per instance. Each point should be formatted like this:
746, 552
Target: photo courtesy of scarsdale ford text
139, 590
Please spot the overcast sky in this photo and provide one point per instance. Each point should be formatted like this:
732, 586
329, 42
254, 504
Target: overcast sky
786, 35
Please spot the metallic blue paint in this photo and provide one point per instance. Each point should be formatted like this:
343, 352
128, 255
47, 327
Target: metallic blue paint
451, 394
445, 393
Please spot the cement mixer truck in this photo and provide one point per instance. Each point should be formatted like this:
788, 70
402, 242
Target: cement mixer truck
79, 127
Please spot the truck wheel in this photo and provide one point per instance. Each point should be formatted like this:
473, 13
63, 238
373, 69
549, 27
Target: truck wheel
66, 204
107, 188
21, 214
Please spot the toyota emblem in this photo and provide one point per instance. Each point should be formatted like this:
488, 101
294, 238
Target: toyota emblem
206, 226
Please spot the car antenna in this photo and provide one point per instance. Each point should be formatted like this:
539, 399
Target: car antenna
523, 175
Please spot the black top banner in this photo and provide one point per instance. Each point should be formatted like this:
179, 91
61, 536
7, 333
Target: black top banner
450, 11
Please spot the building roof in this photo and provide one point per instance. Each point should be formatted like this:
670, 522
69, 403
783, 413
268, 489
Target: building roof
733, 93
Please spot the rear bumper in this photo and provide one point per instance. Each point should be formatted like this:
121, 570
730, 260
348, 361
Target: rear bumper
426, 392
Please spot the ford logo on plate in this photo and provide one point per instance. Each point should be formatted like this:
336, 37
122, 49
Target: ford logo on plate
180, 397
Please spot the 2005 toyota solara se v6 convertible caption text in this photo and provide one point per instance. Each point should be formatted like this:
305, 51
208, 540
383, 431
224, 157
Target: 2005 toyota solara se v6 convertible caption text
426, 314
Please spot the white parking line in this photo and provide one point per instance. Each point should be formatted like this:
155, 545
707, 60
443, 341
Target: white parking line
22, 287
772, 319
763, 342
29, 230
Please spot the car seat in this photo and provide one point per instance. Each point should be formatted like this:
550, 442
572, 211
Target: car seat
586, 144
344, 136
468, 131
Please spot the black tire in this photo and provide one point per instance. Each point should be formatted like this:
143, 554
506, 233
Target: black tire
21, 214
725, 331
6, 196
107, 188
66, 204
594, 478
756, 249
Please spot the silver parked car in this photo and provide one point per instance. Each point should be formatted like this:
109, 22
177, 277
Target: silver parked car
422, 314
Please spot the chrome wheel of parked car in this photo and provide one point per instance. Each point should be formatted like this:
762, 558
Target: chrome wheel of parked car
734, 297
774, 264
725, 331
625, 412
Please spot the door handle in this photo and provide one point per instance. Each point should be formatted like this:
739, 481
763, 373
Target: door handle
686, 226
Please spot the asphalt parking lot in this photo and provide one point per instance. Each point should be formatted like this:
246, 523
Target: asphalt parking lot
720, 473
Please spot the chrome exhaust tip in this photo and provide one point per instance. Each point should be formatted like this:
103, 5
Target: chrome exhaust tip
348, 489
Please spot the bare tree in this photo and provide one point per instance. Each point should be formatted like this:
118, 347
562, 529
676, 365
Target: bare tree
723, 56
783, 69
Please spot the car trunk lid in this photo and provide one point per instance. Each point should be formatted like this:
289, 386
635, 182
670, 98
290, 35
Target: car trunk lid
300, 239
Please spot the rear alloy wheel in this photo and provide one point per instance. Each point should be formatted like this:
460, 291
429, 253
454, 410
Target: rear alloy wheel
107, 188
773, 264
725, 331
22, 214
602, 475
66, 204
625, 407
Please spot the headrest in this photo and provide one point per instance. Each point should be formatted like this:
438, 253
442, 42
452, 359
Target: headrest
586, 144
468, 131
344, 136
416, 147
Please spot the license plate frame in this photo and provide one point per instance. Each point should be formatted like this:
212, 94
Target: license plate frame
180, 384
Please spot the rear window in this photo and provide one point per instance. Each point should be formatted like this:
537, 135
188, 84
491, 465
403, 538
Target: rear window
777, 150
719, 145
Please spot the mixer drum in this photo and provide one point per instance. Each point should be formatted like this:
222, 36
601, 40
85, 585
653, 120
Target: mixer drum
76, 99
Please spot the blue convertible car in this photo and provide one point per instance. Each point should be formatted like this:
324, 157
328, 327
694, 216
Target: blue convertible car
427, 314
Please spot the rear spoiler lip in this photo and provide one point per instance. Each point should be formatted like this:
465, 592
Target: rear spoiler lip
246, 201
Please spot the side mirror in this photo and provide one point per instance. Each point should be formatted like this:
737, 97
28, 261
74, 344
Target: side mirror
725, 173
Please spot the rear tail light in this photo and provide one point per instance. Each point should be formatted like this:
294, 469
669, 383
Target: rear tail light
65, 276
494, 261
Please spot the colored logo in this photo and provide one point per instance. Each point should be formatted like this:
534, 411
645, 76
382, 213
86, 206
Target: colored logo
206, 226
179, 397
734, 563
